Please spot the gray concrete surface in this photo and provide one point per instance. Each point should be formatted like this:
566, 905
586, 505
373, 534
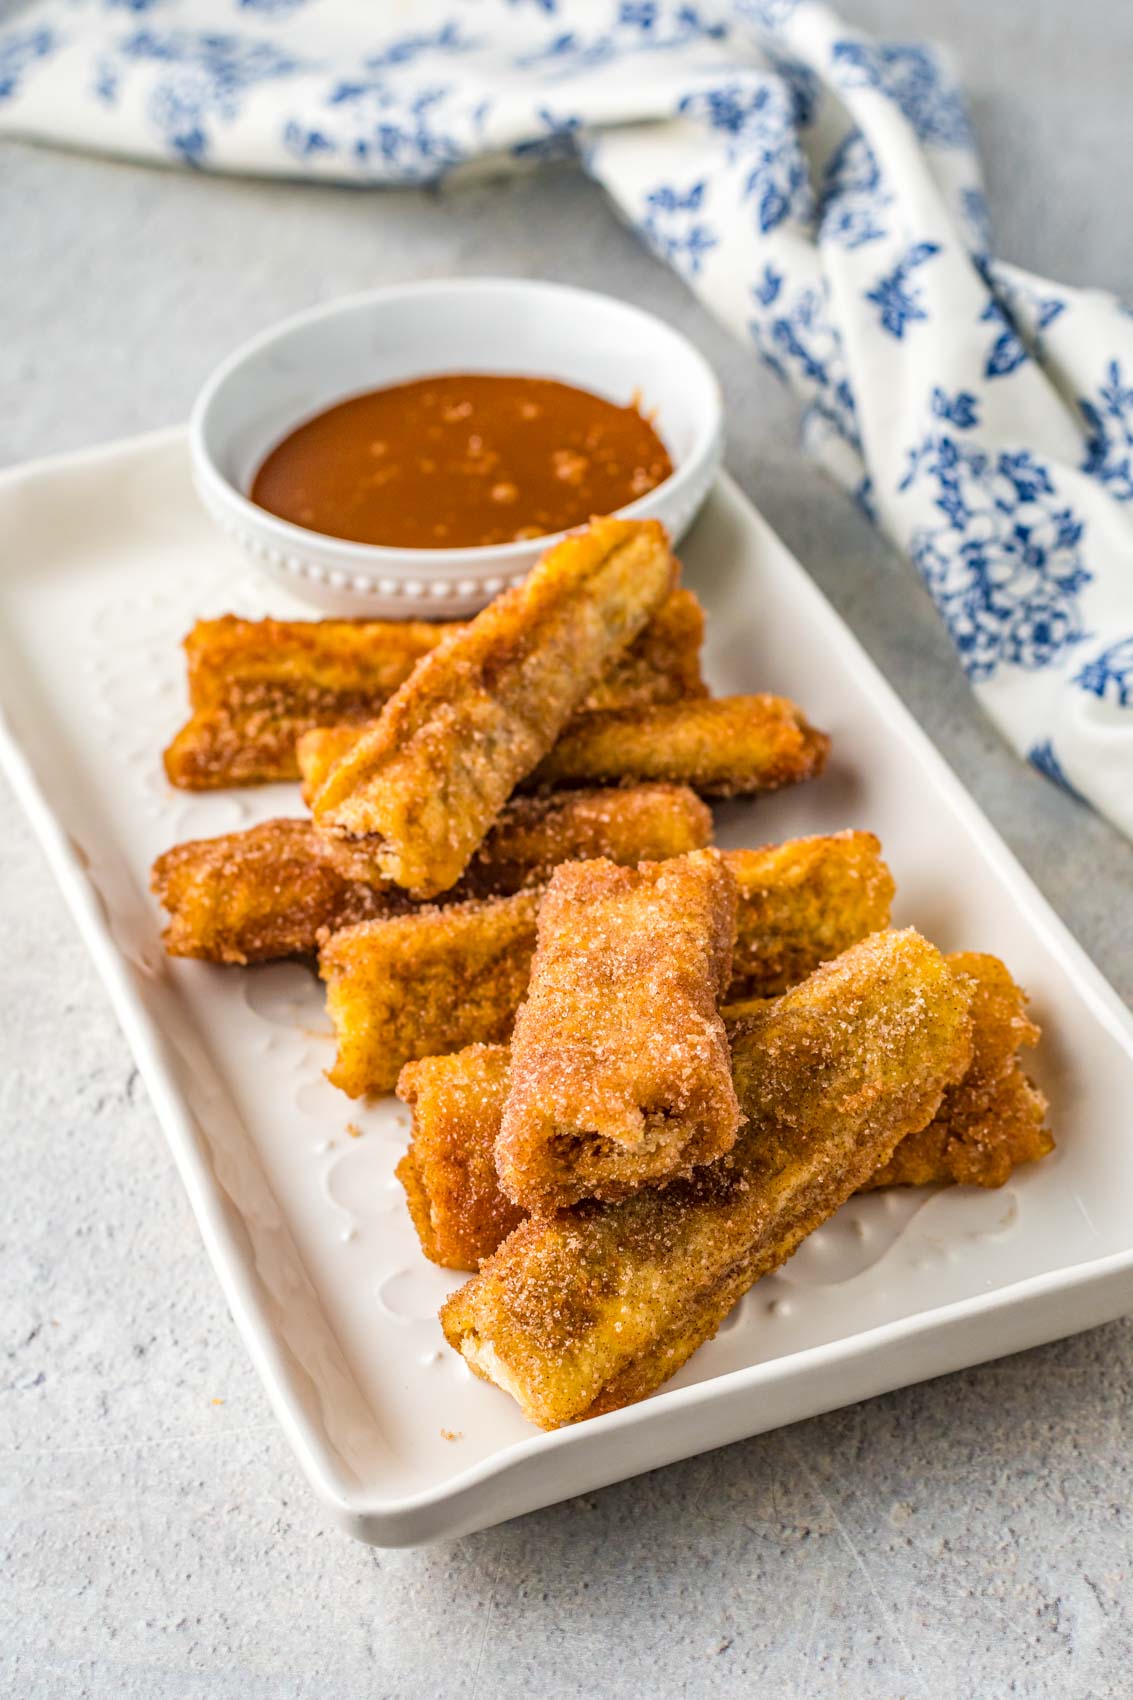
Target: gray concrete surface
965, 1538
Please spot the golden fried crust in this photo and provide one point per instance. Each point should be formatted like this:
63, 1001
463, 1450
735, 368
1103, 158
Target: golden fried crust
662, 664
534, 835
427, 780
974, 1150
620, 1073
458, 1208
721, 746
449, 1170
256, 686
426, 1017
993, 1119
408, 1172
596, 1306
320, 749
987, 1124
327, 659
250, 896
801, 903
432, 981
269, 892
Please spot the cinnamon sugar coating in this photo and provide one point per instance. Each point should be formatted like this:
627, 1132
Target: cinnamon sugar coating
536, 835
425, 783
721, 746
255, 686
459, 1209
801, 903
251, 896
662, 664
597, 1306
620, 1073
987, 1124
320, 749
993, 1119
268, 892
434, 980
375, 1030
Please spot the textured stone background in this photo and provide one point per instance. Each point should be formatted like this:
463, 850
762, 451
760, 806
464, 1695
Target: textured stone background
967, 1537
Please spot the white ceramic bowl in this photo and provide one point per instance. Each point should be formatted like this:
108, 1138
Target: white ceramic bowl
390, 336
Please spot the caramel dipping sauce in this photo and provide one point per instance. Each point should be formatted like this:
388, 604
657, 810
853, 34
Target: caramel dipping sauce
461, 461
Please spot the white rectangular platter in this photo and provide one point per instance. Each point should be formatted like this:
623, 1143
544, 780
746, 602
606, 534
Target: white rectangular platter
107, 560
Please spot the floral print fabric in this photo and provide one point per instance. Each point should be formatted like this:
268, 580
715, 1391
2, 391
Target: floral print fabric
818, 189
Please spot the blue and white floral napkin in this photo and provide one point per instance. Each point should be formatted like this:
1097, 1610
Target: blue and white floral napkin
818, 189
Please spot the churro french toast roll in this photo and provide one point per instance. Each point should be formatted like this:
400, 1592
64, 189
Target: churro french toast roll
264, 893
987, 1124
535, 835
789, 898
801, 903
620, 1073
595, 1307
721, 746
425, 783
432, 981
270, 891
256, 686
458, 1207
995, 1118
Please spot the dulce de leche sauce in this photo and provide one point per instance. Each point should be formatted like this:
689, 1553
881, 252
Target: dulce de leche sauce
451, 462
